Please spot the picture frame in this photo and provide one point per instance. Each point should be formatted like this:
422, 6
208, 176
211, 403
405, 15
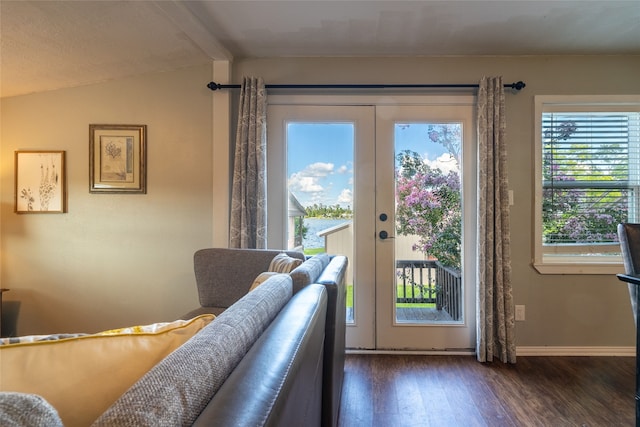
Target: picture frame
118, 159
40, 182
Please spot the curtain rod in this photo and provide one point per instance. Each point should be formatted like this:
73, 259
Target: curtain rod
217, 86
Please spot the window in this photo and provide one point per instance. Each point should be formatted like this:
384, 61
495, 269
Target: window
587, 181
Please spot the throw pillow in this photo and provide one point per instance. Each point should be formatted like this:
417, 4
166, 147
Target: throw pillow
262, 277
36, 338
283, 263
82, 376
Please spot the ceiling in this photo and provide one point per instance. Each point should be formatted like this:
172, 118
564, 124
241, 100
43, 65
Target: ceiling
48, 45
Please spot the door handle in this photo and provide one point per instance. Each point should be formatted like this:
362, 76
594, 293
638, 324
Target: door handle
384, 235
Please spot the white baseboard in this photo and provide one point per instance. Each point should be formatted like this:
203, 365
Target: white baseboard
520, 351
574, 351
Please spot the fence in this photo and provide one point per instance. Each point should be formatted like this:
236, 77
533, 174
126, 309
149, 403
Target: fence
428, 281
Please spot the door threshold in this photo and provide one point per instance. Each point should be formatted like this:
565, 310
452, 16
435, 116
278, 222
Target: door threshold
457, 352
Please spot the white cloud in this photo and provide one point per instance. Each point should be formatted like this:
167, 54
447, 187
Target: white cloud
308, 179
345, 197
305, 184
446, 163
318, 169
314, 184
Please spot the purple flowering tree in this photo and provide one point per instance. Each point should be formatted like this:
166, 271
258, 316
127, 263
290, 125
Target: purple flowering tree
428, 205
571, 214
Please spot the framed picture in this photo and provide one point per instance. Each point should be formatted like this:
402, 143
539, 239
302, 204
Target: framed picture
41, 182
117, 159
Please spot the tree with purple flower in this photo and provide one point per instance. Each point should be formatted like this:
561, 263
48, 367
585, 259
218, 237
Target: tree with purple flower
428, 205
574, 210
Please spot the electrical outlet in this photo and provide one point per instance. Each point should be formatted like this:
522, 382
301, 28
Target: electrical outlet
520, 313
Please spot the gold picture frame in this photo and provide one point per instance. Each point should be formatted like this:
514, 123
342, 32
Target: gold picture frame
40, 182
118, 159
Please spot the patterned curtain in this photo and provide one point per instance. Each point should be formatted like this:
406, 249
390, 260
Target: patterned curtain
249, 192
495, 311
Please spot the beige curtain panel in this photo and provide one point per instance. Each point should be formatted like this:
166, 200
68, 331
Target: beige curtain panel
249, 191
495, 320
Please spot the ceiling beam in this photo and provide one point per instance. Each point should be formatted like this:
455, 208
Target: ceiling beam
193, 28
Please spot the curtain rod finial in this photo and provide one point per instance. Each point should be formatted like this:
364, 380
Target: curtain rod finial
213, 86
518, 85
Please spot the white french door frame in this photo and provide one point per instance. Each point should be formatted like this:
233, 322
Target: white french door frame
435, 336
363, 333
360, 333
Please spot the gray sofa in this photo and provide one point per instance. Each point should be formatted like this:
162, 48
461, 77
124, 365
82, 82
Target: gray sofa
214, 266
257, 364
268, 359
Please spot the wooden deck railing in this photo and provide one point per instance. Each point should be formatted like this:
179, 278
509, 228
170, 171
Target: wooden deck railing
449, 297
428, 281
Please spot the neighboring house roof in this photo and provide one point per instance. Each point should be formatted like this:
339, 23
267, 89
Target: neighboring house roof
335, 228
295, 208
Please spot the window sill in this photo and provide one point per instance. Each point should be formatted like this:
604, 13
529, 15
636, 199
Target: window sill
566, 267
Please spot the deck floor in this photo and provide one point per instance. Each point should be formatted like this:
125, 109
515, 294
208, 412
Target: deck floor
422, 315
417, 315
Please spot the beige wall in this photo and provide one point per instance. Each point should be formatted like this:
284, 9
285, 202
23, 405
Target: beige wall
561, 310
113, 259
116, 260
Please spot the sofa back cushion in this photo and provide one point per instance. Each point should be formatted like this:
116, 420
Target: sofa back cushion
177, 389
309, 271
224, 275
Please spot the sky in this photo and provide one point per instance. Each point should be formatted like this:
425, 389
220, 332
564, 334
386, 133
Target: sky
320, 159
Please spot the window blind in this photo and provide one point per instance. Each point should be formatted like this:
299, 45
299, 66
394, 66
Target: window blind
591, 176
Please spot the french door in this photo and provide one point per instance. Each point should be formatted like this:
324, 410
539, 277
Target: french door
340, 158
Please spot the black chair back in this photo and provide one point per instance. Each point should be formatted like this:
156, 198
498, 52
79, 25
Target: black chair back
629, 236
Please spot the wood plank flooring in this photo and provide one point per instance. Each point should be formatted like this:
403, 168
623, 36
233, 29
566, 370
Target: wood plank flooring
411, 390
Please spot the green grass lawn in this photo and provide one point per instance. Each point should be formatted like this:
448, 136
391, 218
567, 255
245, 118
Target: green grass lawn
398, 305
313, 251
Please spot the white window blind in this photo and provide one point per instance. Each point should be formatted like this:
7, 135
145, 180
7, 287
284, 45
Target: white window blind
590, 174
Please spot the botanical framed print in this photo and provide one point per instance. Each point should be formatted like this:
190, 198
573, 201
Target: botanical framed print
41, 182
118, 159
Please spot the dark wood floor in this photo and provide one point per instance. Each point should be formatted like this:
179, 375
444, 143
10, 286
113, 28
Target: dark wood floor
410, 390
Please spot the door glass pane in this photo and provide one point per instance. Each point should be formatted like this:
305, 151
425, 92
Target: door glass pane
320, 170
428, 222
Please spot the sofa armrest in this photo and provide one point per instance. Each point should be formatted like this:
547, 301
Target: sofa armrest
224, 275
279, 381
333, 278
24, 409
179, 387
309, 271
216, 311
